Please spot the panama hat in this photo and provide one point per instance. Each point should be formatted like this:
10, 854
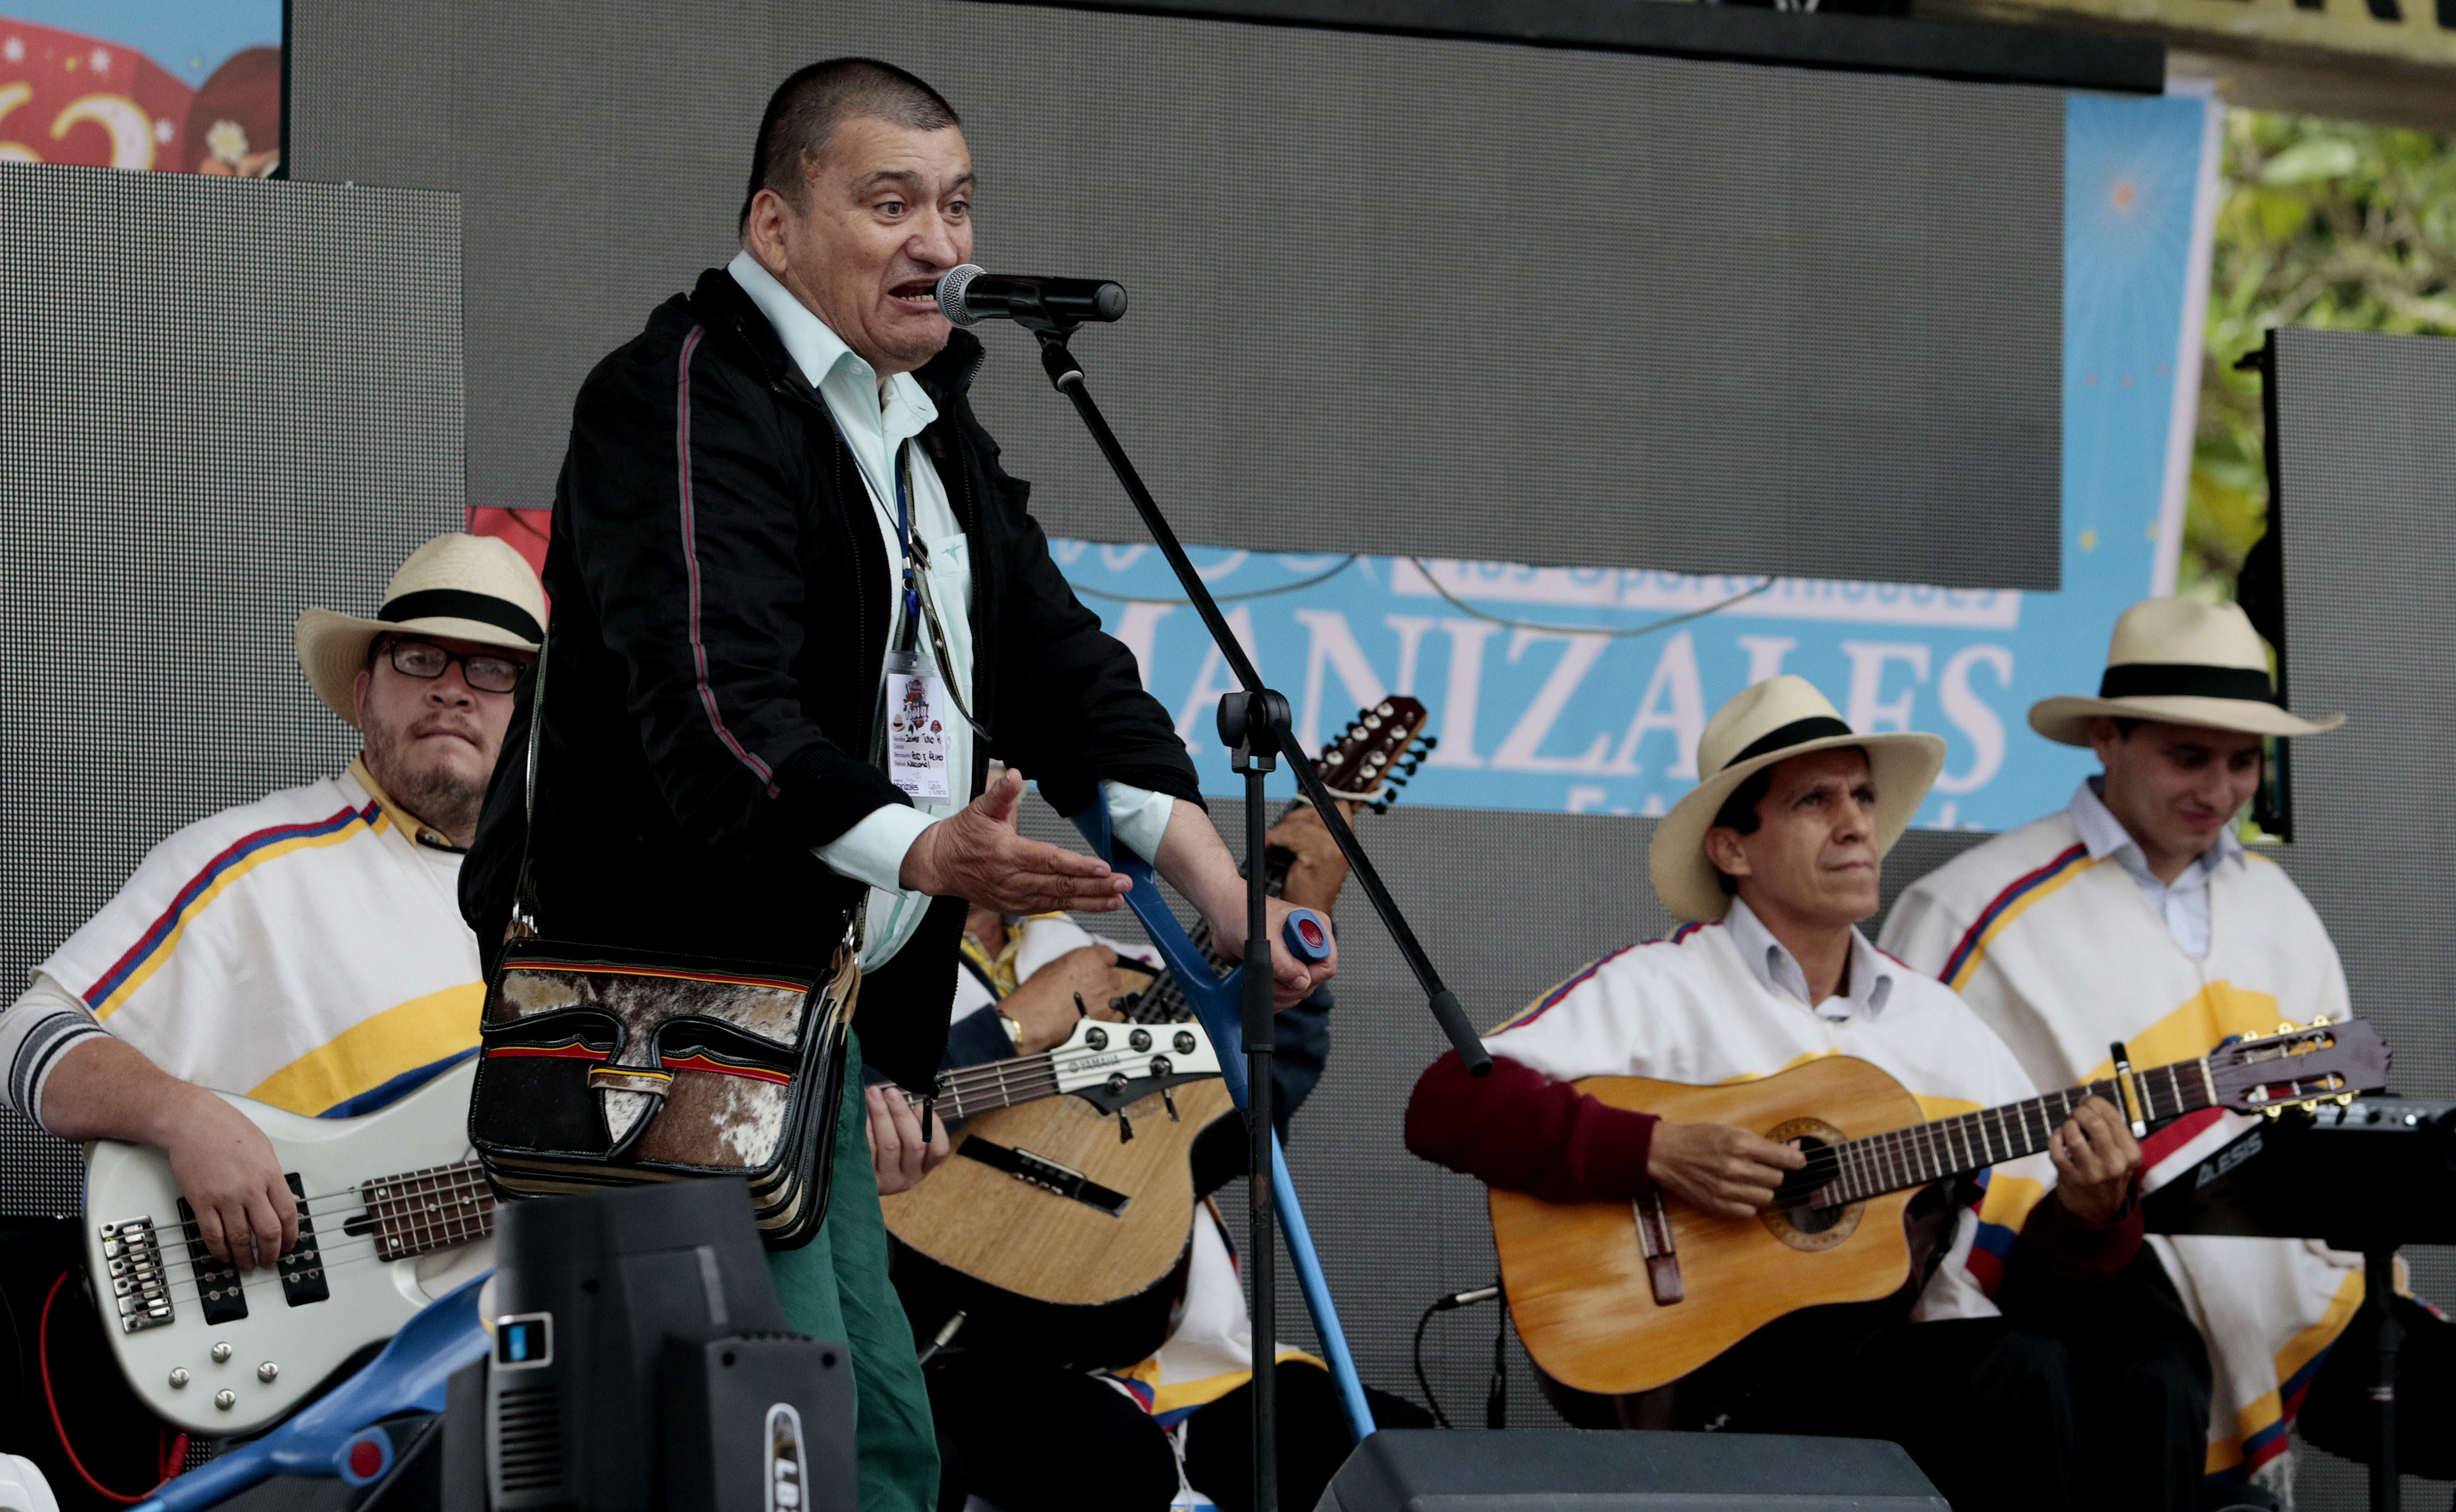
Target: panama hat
458, 587
2180, 662
1769, 722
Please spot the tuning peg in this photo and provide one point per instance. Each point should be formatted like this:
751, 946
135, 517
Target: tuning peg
1431, 740
2320, 1021
2345, 1099
2271, 1113
2286, 1027
1381, 807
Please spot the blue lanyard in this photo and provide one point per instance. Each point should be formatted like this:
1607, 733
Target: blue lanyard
903, 469
904, 540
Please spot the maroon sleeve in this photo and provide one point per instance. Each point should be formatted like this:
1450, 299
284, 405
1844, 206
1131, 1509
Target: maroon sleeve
1517, 1131
2057, 1256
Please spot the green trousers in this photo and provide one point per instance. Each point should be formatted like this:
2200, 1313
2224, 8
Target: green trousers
836, 1287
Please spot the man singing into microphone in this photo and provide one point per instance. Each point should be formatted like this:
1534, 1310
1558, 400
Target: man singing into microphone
776, 505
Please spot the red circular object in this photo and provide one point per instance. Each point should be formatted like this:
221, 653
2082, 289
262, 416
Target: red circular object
366, 1458
1311, 932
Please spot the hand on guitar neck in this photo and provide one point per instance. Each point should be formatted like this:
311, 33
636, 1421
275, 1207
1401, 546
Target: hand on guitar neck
2095, 1159
1315, 870
899, 1158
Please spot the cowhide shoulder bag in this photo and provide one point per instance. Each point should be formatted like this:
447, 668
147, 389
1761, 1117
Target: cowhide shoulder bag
604, 1067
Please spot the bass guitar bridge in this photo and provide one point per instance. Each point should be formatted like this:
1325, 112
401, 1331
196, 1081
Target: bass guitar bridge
134, 1252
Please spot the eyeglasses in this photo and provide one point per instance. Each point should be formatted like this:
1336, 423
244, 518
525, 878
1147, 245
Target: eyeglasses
488, 674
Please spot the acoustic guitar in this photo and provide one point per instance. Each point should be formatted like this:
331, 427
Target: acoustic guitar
1615, 1298
1087, 1199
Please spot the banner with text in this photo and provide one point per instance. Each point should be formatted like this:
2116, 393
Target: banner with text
1585, 690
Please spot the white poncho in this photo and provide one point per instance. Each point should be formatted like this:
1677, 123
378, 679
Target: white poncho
2062, 955
305, 949
1698, 1009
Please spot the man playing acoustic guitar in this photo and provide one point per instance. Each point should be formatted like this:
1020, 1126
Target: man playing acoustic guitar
1011, 1386
1975, 1365
2135, 914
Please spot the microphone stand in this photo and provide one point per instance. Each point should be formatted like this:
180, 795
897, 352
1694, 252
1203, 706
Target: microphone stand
1256, 725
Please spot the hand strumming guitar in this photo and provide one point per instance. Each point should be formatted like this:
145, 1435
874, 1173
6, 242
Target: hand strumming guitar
1718, 1168
1043, 1008
246, 1214
2095, 1158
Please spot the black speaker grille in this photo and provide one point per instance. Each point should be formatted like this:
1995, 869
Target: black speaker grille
528, 1440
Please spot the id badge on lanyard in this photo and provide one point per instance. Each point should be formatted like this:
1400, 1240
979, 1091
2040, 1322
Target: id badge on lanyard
916, 695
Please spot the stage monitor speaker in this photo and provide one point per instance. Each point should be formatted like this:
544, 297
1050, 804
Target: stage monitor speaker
1546, 1470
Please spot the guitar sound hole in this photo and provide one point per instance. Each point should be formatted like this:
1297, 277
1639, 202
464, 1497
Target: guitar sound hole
1803, 1217
1794, 1222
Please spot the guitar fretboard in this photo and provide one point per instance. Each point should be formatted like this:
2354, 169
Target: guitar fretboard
418, 1211
971, 1090
1899, 1160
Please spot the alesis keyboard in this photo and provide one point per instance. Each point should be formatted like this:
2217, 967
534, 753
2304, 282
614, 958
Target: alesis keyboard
2372, 1175
2376, 1173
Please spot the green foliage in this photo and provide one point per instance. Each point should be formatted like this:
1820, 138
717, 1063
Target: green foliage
2319, 223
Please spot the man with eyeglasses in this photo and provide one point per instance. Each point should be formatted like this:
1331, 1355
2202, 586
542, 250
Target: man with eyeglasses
306, 950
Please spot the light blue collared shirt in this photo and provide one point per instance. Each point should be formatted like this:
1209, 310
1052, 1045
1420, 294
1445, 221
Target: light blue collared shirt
1867, 984
2183, 903
875, 420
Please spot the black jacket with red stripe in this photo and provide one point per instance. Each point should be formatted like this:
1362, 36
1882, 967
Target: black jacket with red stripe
720, 618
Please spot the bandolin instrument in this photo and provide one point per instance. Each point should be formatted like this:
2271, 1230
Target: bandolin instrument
1087, 1199
1615, 1298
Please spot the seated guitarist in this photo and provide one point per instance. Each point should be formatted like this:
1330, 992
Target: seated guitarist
2134, 914
1773, 859
305, 949
1009, 1392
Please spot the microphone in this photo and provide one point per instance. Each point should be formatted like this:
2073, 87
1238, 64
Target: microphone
968, 294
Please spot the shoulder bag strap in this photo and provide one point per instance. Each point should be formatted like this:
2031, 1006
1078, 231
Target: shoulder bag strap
524, 907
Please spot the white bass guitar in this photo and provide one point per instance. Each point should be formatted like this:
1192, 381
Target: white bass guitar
391, 1215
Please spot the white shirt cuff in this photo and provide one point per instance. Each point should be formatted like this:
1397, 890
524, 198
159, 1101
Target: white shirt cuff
873, 850
1138, 817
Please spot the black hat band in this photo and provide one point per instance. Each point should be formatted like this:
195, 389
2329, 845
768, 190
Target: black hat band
458, 603
2186, 680
1798, 732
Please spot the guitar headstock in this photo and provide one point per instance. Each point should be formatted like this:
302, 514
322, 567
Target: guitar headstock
2293, 1067
1381, 748
1110, 1065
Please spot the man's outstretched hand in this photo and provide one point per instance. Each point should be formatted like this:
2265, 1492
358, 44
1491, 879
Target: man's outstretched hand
977, 854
